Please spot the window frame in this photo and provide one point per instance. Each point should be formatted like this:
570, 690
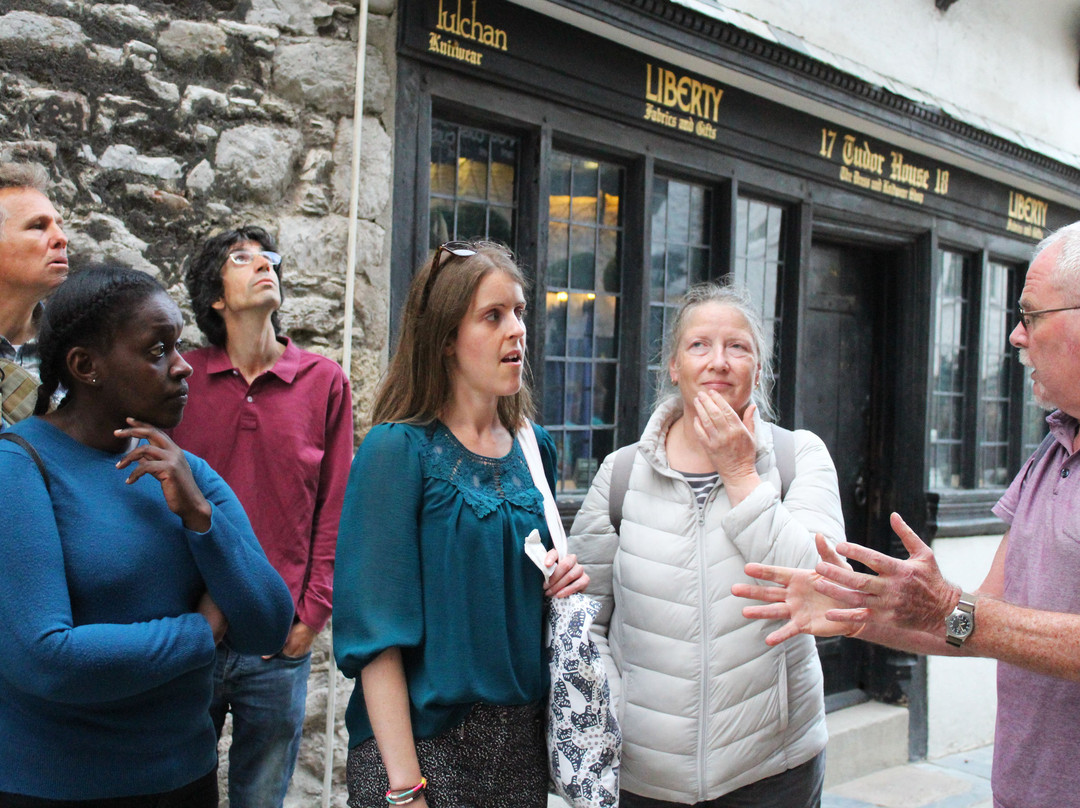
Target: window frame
966, 510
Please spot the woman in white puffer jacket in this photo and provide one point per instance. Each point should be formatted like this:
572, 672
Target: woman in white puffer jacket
711, 716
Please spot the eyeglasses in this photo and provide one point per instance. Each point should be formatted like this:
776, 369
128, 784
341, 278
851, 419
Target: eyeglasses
1026, 317
460, 249
244, 257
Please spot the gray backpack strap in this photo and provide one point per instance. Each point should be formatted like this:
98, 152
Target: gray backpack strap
620, 482
784, 449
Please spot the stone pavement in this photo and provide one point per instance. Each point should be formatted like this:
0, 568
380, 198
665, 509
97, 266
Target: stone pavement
956, 781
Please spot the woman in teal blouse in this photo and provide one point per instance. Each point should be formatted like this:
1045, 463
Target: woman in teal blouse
438, 610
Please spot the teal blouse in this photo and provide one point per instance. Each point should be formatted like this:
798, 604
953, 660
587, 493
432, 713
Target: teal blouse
430, 558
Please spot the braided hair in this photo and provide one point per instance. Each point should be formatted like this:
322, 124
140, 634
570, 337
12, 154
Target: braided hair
86, 311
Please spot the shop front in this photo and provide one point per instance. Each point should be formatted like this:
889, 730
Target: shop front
626, 151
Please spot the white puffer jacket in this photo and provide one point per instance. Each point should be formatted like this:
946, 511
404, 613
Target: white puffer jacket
705, 706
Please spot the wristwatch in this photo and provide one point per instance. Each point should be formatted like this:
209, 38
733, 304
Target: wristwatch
961, 623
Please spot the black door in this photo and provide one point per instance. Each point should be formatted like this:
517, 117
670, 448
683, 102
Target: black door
841, 398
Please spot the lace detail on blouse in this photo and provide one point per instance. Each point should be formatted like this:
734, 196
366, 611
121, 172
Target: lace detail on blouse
484, 482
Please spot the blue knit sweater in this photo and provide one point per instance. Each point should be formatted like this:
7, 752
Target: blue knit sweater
105, 668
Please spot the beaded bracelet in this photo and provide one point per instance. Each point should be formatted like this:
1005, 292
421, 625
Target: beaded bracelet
404, 796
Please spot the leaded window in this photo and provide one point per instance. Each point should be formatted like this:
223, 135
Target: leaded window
583, 292
473, 184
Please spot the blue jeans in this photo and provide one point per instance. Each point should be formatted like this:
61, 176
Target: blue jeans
800, 787
267, 699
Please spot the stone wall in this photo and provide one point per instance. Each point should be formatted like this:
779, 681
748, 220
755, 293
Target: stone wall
162, 123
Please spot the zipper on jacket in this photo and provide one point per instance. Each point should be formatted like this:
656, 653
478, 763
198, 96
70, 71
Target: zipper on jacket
703, 594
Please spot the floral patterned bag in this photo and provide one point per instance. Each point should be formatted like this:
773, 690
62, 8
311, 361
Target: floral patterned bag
583, 736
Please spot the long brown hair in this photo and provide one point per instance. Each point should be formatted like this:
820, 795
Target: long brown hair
417, 381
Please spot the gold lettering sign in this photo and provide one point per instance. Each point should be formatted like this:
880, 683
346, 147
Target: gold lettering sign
668, 93
458, 23
1027, 209
892, 175
1027, 215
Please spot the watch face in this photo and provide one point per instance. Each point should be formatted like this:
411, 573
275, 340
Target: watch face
959, 624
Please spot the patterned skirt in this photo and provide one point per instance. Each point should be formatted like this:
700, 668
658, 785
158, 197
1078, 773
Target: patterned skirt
496, 758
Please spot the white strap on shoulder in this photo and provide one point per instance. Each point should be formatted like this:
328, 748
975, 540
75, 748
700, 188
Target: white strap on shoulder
527, 438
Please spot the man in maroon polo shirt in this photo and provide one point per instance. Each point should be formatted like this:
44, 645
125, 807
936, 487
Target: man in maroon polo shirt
276, 422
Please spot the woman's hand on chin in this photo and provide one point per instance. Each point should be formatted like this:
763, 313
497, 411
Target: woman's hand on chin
165, 461
728, 440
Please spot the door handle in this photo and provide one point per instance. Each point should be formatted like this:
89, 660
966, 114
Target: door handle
860, 491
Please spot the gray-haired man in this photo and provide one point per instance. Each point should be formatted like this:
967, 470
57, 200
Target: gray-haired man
33, 262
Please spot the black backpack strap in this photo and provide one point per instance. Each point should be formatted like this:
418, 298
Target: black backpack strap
620, 482
30, 450
784, 449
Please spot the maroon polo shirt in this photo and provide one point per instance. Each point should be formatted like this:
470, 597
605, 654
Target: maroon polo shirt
284, 444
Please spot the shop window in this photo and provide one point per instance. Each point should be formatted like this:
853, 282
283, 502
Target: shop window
681, 254
995, 376
473, 184
973, 392
949, 358
759, 265
583, 285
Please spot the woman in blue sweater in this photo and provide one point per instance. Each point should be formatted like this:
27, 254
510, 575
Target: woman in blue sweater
437, 609
126, 560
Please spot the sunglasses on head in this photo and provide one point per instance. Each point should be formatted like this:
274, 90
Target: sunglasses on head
460, 249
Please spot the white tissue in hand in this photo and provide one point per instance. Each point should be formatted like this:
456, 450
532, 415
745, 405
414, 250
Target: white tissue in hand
534, 549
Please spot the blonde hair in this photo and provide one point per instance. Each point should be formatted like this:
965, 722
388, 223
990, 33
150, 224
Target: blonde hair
416, 385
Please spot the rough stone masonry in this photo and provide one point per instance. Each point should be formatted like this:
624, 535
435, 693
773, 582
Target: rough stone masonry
162, 122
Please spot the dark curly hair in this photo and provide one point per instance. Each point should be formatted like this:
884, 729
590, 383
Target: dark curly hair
204, 282
86, 310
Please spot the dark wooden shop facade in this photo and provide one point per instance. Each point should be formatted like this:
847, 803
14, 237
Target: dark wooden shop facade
627, 149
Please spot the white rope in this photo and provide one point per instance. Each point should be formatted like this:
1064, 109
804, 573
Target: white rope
346, 352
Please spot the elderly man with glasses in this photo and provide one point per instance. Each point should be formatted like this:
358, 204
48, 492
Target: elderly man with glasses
276, 422
1026, 614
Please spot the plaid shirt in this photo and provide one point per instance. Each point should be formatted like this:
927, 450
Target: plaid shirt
25, 356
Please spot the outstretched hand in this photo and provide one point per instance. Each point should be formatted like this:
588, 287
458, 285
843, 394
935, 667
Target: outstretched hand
796, 599
162, 459
906, 593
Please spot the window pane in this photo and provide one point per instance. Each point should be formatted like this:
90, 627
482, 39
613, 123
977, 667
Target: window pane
582, 257
473, 164
583, 285
604, 393
578, 393
554, 386
503, 169
443, 159
681, 255
556, 323
759, 266
949, 357
995, 366
558, 262
473, 184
